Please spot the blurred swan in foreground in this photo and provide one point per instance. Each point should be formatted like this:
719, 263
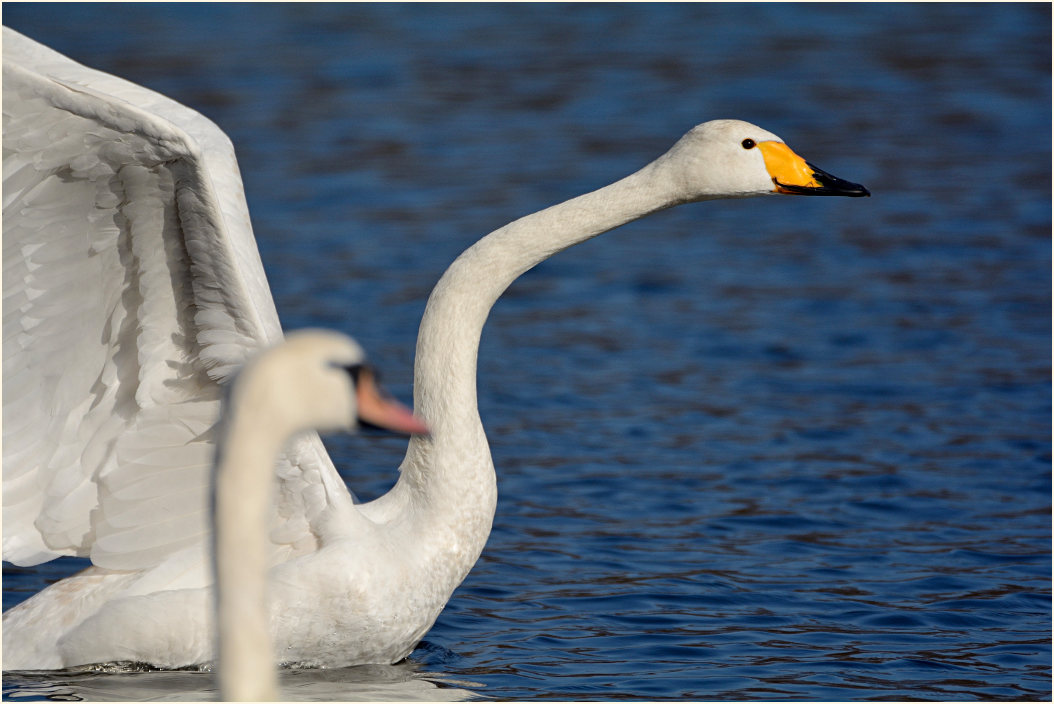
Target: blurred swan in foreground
115, 386
315, 380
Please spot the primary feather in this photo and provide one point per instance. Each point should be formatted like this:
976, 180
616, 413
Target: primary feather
133, 290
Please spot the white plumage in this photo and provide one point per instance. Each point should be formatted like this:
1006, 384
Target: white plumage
132, 285
133, 290
315, 380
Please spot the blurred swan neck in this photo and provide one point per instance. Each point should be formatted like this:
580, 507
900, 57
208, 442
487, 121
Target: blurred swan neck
242, 495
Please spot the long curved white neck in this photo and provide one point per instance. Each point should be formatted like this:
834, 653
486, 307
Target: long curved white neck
449, 474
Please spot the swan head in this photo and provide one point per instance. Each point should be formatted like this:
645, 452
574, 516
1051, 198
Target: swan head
319, 380
732, 158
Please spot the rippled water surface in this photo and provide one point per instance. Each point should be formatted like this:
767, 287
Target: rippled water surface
784, 448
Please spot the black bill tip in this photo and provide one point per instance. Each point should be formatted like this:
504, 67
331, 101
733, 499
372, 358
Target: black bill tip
829, 186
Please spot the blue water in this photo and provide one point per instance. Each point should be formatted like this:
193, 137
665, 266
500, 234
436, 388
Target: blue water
784, 448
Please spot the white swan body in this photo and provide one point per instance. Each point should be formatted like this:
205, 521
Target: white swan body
354, 583
315, 380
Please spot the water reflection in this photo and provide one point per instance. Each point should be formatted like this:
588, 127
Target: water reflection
402, 682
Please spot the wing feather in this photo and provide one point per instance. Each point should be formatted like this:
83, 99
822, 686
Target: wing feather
132, 291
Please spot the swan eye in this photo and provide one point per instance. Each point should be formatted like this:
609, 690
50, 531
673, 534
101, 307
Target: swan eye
749, 143
357, 371
352, 370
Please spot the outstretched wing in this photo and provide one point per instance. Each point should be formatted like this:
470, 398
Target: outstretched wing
133, 290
